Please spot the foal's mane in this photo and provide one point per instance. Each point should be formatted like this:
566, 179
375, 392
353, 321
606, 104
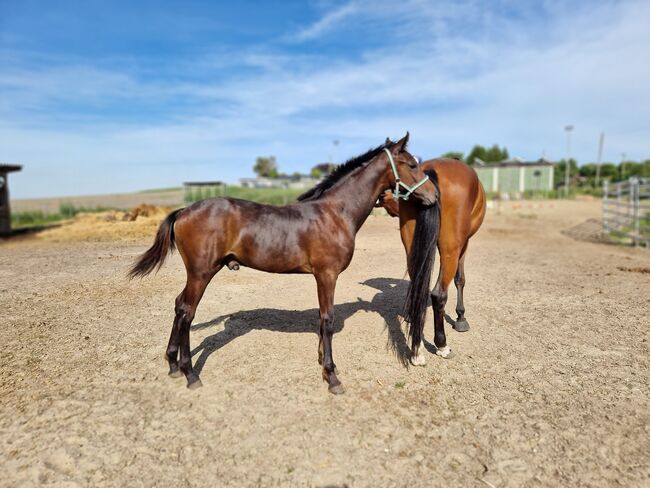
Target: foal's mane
341, 171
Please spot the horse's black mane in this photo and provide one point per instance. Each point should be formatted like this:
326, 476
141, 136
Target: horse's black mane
341, 171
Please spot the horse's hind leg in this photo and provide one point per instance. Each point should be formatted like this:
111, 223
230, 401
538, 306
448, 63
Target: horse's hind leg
448, 265
461, 324
179, 341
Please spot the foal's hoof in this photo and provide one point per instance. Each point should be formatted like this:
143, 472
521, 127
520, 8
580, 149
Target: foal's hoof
336, 389
419, 360
194, 384
461, 325
445, 352
175, 374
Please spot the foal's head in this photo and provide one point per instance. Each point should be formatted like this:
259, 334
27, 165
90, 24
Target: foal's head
405, 175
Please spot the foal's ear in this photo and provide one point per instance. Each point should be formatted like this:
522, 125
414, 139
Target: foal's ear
401, 144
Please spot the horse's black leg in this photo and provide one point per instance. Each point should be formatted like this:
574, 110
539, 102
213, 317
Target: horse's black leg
174, 338
191, 297
326, 283
461, 324
448, 266
438, 301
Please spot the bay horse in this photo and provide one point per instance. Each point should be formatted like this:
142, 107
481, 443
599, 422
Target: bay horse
314, 235
462, 206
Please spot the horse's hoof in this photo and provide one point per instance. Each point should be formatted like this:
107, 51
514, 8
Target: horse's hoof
195, 384
445, 352
419, 360
175, 374
337, 389
461, 325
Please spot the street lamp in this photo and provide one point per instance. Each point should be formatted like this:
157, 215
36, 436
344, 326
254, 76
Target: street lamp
567, 166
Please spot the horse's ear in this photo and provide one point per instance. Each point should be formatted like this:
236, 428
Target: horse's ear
401, 144
388, 141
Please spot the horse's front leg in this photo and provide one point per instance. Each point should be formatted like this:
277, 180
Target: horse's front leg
326, 283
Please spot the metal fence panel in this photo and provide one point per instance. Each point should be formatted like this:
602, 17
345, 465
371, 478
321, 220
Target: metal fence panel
626, 210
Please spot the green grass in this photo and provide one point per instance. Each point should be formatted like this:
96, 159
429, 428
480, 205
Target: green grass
273, 196
162, 190
37, 218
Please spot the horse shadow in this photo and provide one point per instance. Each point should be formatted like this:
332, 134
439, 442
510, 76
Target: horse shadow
388, 302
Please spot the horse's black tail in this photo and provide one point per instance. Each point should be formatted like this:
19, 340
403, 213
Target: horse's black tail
420, 265
155, 256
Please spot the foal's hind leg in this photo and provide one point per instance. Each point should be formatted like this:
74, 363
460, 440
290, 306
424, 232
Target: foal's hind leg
461, 324
173, 345
326, 283
179, 340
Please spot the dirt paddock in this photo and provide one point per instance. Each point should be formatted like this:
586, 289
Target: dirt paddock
548, 388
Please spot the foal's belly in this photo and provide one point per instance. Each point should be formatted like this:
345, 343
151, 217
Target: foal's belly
273, 253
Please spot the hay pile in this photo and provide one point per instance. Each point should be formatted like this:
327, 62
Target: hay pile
138, 223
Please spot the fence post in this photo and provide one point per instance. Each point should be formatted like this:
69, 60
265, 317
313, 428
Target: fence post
634, 194
605, 215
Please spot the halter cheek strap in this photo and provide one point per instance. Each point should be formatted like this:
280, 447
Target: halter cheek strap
399, 183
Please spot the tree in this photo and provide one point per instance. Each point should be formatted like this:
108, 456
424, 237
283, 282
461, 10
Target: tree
266, 166
492, 155
454, 155
560, 171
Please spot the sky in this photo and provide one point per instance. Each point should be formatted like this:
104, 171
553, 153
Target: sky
116, 96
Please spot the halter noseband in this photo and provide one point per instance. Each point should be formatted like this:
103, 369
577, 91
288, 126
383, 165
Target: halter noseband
398, 181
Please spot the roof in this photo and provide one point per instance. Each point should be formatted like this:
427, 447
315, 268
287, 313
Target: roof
204, 183
512, 163
8, 168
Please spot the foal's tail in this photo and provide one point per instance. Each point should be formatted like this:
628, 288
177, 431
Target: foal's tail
420, 265
155, 256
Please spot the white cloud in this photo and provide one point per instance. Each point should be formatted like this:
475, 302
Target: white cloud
326, 23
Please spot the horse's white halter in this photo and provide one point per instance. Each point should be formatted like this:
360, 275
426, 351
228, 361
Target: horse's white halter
398, 182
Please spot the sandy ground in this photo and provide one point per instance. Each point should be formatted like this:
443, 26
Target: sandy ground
548, 388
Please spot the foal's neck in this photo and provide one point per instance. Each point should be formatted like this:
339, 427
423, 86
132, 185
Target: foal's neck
355, 197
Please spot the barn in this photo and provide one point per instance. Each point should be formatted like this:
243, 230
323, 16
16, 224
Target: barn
5, 210
515, 176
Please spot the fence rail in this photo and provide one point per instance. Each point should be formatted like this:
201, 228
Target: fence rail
626, 211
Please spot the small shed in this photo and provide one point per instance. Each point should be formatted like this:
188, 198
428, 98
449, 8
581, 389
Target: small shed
5, 210
516, 176
199, 190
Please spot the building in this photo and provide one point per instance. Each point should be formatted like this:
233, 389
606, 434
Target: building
515, 175
5, 210
292, 181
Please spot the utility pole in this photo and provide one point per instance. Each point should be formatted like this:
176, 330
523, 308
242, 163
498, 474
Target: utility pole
600, 157
567, 166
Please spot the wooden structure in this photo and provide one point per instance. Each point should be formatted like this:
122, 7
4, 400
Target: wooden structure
200, 190
5, 210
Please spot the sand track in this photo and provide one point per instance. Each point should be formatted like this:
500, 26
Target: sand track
548, 388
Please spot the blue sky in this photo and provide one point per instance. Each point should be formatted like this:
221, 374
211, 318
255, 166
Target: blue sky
99, 97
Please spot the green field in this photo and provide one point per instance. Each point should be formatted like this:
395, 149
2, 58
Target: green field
273, 196
38, 218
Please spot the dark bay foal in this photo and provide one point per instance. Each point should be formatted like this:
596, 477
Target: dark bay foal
315, 235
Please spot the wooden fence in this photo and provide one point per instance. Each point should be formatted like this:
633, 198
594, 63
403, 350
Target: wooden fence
626, 211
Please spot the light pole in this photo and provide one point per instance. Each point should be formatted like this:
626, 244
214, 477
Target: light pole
567, 166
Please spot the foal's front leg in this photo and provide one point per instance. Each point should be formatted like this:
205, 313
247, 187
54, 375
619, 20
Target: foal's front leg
326, 283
